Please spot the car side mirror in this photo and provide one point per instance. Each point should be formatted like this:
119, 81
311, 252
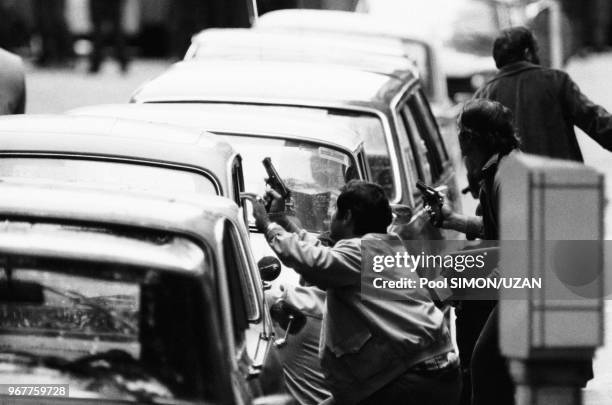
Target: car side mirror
289, 317
269, 268
402, 214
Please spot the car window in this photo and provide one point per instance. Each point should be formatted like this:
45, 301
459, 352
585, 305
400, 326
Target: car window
241, 286
407, 152
107, 174
377, 150
237, 179
426, 119
423, 157
428, 135
313, 173
368, 126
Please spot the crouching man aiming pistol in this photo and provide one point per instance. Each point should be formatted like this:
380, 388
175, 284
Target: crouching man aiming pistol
373, 351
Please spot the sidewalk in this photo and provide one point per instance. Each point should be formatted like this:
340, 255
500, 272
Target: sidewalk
56, 90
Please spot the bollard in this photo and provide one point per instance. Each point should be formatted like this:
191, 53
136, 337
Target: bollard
551, 212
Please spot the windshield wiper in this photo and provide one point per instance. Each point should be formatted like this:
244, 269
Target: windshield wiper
87, 301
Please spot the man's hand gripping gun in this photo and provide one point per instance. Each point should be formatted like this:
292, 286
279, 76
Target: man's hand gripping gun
434, 200
277, 184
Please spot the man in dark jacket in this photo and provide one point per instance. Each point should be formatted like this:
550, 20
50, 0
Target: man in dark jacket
546, 103
12, 84
486, 138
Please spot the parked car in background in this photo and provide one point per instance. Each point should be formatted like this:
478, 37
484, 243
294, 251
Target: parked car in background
118, 154
467, 29
391, 115
314, 159
129, 297
359, 28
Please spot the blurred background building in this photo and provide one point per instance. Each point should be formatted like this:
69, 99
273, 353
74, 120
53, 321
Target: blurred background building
162, 28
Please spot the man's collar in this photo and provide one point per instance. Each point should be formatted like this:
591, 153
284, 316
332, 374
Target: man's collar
515, 68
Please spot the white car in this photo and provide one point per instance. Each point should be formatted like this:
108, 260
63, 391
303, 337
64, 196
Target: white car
314, 160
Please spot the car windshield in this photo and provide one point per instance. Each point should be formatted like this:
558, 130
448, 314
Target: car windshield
368, 126
106, 174
313, 173
106, 331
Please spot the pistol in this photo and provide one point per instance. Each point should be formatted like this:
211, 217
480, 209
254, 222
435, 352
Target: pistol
434, 200
275, 181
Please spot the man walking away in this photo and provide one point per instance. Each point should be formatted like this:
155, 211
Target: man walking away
546, 103
12, 84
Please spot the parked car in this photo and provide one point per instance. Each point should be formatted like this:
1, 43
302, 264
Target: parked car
129, 297
392, 116
359, 28
119, 154
314, 160
467, 29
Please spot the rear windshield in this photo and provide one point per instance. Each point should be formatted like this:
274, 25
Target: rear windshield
107, 175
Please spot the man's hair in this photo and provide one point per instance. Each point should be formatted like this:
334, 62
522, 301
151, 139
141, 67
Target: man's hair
487, 125
368, 204
511, 46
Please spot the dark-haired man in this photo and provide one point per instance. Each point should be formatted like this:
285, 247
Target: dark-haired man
546, 103
372, 351
486, 137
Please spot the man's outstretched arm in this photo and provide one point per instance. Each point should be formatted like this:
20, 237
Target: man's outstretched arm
320, 265
592, 118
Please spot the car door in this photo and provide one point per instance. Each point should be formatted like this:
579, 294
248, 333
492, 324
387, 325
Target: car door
445, 175
424, 158
253, 333
431, 158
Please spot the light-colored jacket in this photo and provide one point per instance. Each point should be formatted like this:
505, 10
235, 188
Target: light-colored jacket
12, 84
304, 378
366, 342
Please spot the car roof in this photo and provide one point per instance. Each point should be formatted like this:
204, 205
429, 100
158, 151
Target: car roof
375, 54
234, 119
273, 83
192, 217
358, 26
336, 21
117, 138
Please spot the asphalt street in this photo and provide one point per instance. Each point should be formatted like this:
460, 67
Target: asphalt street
58, 90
